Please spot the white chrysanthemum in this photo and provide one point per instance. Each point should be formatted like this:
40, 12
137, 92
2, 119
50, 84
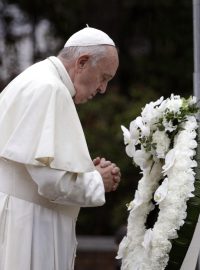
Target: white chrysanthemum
191, 123
142, 159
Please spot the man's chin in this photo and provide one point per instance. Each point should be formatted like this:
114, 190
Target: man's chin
80, 101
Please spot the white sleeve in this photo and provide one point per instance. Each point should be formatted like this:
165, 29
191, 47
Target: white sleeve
84, 189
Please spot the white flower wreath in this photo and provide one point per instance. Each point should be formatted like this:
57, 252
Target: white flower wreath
162, 143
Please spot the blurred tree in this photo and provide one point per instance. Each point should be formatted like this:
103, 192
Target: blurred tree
7, 44
154, 38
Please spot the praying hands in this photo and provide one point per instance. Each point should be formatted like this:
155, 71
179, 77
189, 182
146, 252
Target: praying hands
110, 173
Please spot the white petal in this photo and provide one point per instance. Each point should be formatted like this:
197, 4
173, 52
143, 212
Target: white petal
159, 101
134, 131
169, 160
161, 192
130, 149
126, 134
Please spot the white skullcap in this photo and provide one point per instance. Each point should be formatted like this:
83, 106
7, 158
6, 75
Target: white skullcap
89, 36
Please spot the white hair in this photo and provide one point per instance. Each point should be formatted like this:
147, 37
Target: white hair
96, 52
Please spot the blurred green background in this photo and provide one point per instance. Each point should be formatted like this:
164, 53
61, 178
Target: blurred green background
155, 42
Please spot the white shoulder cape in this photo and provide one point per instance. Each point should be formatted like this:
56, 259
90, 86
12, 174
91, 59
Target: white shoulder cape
39, 124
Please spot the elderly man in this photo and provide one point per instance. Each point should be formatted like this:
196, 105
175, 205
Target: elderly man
46, 173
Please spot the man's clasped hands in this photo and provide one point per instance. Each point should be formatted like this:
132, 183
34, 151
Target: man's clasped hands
110, 173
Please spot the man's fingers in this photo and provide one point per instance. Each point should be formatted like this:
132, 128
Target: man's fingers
116, 170
115, 186
116, 179
96, 161
105, 163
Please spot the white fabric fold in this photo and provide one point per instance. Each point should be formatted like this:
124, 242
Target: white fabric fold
38, 120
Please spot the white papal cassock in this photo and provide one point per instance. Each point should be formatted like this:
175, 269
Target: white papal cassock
46, 173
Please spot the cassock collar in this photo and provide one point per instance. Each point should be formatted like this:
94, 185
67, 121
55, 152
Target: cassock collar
63, 74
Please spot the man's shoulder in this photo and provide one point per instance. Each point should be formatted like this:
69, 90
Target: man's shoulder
41, 75
37, 80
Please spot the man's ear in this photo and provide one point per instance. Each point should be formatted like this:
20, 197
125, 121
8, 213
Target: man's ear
82, 61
